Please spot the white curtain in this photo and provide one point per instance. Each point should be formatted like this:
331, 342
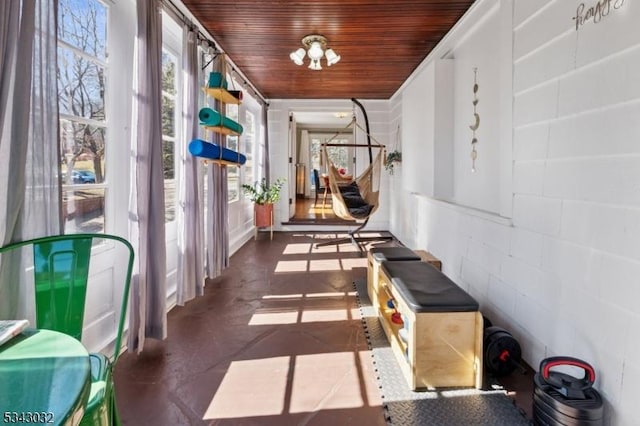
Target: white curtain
29, 185
190, 217
303, 157
217, 230
146, 206
265, 153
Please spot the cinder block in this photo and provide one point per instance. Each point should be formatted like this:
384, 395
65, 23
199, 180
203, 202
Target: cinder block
527, 246
531, 142
536, 105
539, 14
547, 63
610, 82
502, 295
528, 177
611, 180
583, 135
537, 214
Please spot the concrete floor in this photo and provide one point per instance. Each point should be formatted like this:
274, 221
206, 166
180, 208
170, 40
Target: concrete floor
277, 340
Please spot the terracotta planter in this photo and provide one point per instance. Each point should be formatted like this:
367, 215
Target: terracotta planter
262, 214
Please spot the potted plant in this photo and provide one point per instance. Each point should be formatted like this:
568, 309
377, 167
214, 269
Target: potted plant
263, 197
393, 157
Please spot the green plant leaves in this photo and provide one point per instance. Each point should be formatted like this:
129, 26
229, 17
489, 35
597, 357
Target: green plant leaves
261, 193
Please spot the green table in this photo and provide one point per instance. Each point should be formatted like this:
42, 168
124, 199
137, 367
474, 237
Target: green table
45, 378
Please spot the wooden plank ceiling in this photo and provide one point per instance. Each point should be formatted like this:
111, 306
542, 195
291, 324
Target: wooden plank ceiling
380, 42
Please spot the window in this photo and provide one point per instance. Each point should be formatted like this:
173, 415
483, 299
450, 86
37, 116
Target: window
82, 76
249, 142
233, 172
169, 94
341, 157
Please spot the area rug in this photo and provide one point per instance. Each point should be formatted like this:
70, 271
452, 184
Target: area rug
450, 407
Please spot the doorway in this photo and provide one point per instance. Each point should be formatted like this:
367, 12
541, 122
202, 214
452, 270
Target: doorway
312, 204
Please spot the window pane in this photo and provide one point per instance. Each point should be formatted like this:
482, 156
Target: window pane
168, 159
232, 111
168, 116
83, 24
169, 91
233, 183
81, 153
169, 200
83, 209
169, 73
81, 86
249, 138
233, 173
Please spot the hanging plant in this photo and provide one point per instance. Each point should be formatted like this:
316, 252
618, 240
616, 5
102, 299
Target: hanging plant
392, 158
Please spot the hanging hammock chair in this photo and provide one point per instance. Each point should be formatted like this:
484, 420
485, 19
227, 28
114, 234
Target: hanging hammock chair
355, 199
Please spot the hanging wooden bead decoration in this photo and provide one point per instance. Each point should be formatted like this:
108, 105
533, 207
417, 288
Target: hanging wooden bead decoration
476, 124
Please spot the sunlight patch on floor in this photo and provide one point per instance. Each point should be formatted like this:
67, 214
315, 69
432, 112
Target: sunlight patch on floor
324, 249
348, 264
251, 388
329, 294
282, 296
335, 378
324, 315
322, 381
297, 249
274, 317
347, 248
372, 392
327, 210
291, 266
325, 265
287, 315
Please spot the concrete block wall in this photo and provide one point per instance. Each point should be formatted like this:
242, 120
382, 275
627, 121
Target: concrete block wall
563, 272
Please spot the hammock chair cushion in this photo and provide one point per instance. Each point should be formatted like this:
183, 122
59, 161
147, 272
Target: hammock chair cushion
357, 206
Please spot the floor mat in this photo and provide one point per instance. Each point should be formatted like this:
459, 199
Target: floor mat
439, 407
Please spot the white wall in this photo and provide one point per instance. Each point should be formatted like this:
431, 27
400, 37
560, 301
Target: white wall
479, 49
563, 273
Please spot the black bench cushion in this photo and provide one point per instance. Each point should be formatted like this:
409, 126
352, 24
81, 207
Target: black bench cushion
380, 254
425, 289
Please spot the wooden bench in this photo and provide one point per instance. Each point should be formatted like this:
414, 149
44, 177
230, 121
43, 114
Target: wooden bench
439, 343
376, 256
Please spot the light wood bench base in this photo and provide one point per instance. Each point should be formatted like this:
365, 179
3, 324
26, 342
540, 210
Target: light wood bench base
442, 349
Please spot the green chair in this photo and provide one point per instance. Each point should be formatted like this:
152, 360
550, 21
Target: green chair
61, 273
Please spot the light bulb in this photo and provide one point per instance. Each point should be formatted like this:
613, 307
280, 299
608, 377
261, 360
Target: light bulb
332, 58
315, 51
297, 56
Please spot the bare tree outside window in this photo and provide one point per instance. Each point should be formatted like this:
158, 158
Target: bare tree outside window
169, 93
82, 75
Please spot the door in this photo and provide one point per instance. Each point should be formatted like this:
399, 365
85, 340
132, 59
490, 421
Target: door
292, 165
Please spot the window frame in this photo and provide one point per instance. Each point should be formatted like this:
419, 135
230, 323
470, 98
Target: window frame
172, 43
105, 124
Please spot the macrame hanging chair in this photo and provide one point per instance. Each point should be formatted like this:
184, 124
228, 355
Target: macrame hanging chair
356, 199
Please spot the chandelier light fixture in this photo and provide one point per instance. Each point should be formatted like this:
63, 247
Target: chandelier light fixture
316, 48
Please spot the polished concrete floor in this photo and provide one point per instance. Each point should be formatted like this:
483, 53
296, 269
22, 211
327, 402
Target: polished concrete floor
276, 340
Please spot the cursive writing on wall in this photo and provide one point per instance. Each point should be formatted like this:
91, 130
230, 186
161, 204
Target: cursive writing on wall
596, 12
